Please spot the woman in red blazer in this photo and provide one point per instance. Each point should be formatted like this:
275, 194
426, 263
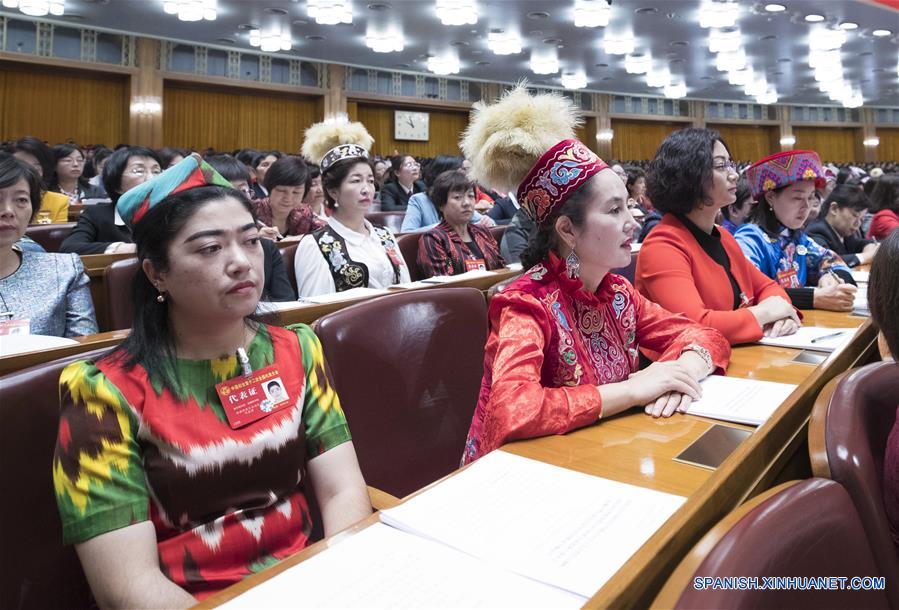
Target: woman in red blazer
688, 264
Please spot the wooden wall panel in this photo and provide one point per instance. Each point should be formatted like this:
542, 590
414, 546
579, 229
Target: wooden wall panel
587, 133
749, 142
833, 144
639, 140
445, 129
59, 105
888, 150
236, 118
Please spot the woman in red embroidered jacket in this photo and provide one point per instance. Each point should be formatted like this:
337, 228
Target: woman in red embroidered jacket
455, 246
562, 349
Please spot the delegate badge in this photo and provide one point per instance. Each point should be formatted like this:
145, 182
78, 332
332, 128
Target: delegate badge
15, 327
247, 399
475, 264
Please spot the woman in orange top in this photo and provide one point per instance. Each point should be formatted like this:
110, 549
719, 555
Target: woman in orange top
691, 266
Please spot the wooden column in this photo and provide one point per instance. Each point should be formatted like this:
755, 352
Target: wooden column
335, 99
697, 113
868, 131
785, 127
146, 97
602, 103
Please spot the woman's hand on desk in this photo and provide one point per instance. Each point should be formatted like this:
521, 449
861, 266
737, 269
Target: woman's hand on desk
781, 328
772, 310
662, 387
835, 297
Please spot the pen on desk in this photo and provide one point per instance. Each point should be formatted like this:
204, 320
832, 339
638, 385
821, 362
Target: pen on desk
831, 336
835, 276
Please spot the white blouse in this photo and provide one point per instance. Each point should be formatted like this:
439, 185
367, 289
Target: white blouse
314, 274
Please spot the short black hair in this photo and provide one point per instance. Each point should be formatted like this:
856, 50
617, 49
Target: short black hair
12, 170
743, 193
681, 170
115, 167
847, 196
337, 173
166, 155
440, 164
453, 181
262, 154
61, 151
38, 149
634, 173
273, 383
286, 171
883, 291
230, 168
885, 195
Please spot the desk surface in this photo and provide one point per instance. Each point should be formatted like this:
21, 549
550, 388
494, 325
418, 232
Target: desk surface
635, 448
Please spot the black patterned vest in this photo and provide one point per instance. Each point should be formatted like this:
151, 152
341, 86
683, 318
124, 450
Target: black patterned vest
346, 272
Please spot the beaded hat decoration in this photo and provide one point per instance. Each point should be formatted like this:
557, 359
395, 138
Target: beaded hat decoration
336, 139
190, 172
341, 152
783, 169
557, 174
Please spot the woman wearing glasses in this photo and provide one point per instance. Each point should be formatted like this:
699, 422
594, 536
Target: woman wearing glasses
690, 265
100, 230
68, 177
405, 182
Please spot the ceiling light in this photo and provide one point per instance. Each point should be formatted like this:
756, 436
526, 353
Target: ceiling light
848, 25
192, 10
828, 59
330, 12
740, 78
390, 42
775, 8
591, 13
503, 44
544, 63
457, 12
37, 8
881, 33
853, 99
448, 64
788, 141
618, 45
718, 15
871, 142
724, 41
755, 88
767, 98
272, 40
658, 77
728, 62
825, 39
574, 80
814, 18
637, 64
605, 135
675, 90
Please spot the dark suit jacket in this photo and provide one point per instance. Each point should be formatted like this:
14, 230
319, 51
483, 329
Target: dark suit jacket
277, 284
847, 248
502, 211
95, 230
394, 197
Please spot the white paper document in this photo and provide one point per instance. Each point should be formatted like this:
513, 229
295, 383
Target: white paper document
382, 567
558, 526
744, 401
815, 338
346, 295
861, 276
445, 279
515, 267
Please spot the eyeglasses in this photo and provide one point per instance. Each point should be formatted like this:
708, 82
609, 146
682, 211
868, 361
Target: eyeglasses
726, 166
71, 161
142, 171
411, 164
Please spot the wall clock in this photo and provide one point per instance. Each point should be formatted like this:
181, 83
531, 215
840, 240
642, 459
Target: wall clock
408, 125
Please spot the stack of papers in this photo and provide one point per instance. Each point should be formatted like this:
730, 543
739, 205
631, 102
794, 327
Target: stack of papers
346, 295
816, 338
444, 279
860, 305
861, 276
744, 401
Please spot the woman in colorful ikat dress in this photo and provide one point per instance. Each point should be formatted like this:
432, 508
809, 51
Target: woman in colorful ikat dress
562, 349
176, 473
783, 186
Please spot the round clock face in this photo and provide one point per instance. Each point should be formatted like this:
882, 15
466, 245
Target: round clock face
409, 125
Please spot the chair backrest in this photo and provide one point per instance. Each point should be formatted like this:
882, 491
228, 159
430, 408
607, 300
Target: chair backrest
408, 368
630, 270
391, 220
799, 529
497, 232
289, 253
848, 431
38, 571
50, 236
118, 279
408, 243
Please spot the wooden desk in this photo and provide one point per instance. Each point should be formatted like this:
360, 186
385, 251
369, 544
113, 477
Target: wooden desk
637, 449
17, 362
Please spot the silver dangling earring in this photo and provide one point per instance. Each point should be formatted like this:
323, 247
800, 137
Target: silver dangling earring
336, 205
573, 265
160, 298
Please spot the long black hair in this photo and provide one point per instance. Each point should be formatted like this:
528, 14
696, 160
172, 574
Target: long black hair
545, 238
61, 151
151, 343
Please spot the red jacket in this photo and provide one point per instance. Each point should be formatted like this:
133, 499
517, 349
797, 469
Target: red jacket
674, 271
883, 223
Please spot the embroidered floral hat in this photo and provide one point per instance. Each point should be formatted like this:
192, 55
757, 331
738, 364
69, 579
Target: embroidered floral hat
783, 169
525, 143
190, 172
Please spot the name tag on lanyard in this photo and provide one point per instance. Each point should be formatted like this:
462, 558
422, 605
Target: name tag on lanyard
249, 398
475, 264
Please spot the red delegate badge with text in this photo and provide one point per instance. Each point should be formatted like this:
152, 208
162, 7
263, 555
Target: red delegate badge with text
788, 279
475, 264
250, 398
15, 327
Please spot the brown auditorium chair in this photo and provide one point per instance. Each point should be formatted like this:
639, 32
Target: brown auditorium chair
50, 236
497, 232
118, 278
408, 244
848, 431
629, 271
798, 529
289, 254
391, 220
408, 368
38, 571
